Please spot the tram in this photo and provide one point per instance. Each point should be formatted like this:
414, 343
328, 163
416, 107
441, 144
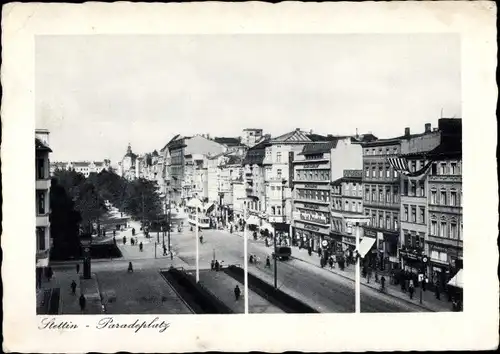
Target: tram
203, 220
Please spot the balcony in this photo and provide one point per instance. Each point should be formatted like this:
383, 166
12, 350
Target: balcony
451, 209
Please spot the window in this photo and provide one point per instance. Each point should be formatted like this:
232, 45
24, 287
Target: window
442, 229
374, 171
413, 166
359, 207
316, 175
434, 169
374, 195
387, 172
433, 197
395, 218
40, 238
453, 230
268, 172
395, 174
367, 172
374, 218
413, 189
380, 171
453, 168
442, 168
421, 187
380, 195
442, 199
346, 208
413, 214
278, 157
395, 193
40, 168
367, 194
453, 198
405, 212
387, 221
380, 220
422, 215
40, 196
434, 228
278, 173
387, 194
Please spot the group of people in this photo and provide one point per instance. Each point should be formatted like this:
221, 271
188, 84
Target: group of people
215, 265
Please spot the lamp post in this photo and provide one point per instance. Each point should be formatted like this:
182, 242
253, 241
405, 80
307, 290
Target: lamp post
357, 277
196, 203
245, 256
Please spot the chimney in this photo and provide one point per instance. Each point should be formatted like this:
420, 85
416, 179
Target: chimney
407, 131
427, 127
310, 131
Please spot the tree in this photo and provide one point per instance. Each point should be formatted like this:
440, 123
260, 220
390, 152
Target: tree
64, 222
142, 200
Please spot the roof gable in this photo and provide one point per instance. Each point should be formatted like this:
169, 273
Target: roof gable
292, 137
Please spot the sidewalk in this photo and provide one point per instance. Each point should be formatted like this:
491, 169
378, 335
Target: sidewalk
429, 300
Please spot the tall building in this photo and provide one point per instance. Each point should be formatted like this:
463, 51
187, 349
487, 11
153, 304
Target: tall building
445, 233
42, 208
381, 198
251, 136
182, 168
128, 165
414, 203
314, 169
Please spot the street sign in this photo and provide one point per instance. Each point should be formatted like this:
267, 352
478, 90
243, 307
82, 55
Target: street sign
424, 259
324, 243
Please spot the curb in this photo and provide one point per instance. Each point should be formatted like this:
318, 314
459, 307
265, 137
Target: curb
366, 285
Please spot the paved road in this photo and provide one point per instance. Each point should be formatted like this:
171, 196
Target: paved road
321, 289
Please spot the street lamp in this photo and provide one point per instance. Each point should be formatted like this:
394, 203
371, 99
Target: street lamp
197, 204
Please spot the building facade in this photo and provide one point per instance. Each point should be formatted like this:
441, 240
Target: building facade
381, 199
251, 137
83, 167
42, 207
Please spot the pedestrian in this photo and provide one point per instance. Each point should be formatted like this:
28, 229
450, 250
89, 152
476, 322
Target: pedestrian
330, 262
133, 231
140, 246
50, 273
114, 234
78, 268
114, 240
319, 251
164, 250
82, 302
411, 288
212, 264
130, 268
309, 251
171, 255
132, 241
73, 287
217, 265
268, 262
237, 292
424, 283
382, 283
124, 240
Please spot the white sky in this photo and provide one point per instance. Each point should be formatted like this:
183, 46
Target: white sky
98, 93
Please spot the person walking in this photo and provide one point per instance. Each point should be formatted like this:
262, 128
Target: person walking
78, 268
330, 262
309, 251
73, 287
132, 241
140, 246
212, 265
130, 268
124, 240
164, 250
217, 265
82, 302
268, 262
382, 283
237, 292
411, 288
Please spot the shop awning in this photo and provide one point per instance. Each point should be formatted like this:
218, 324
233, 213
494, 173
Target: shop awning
252, 220
267, 226
209, 207
457, 280
365, 245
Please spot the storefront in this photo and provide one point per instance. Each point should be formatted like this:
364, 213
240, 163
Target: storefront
311, 235
385, 256
413, 260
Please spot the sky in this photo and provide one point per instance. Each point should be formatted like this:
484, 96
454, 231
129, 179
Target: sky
96, 94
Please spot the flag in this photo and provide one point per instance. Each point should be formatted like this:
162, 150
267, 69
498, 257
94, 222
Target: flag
399, 164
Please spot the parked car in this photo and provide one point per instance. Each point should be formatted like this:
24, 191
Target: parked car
283, 252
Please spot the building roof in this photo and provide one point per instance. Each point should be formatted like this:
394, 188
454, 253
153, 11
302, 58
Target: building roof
41, 146
319, 148
252, 129
294, 136
228, 141
256, 154
233, 160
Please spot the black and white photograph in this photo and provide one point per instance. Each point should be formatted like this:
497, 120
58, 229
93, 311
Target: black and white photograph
251, 173
173, 169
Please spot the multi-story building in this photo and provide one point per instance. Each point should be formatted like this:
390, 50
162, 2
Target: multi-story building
42, 208
83, 167
381, 198
233, 145
314, 169
251, 136
128, 165
445, 229
254, 179
414, 205
346, 206
278, 176
185, 166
